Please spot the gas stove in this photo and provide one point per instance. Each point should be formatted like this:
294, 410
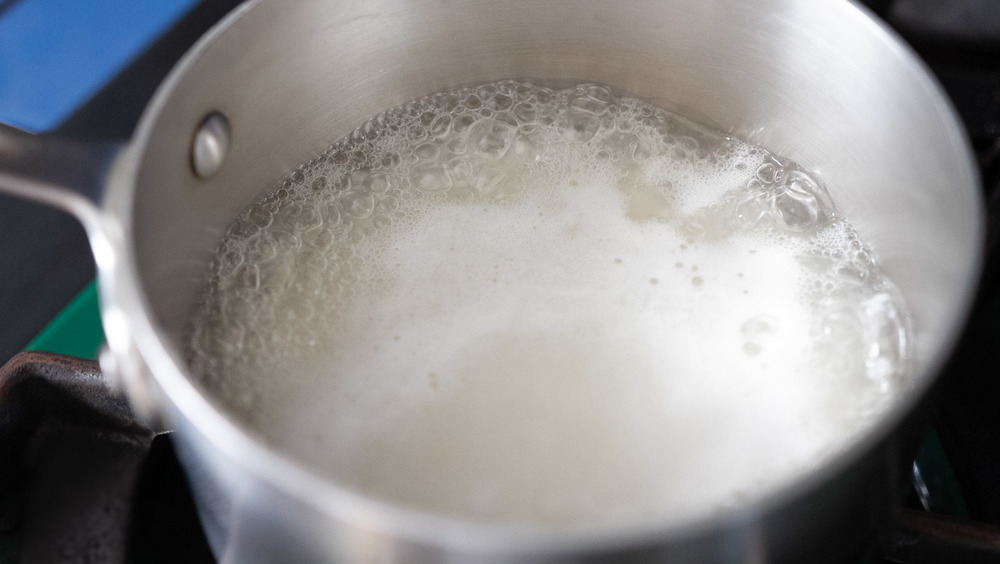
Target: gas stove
82, 480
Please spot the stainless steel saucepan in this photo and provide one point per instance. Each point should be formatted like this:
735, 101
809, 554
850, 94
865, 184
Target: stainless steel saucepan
276, 82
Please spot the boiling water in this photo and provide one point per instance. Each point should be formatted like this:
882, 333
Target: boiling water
550, 308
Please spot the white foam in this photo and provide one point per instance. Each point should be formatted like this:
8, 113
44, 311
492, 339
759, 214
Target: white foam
497, 324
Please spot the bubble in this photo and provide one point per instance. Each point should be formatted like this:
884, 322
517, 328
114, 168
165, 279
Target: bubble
448, 102
502, 102
885, 335
440, 125
687, 144
457, 146
284, 239
427, 117
376, 183
245, 230
339, 157
600, 93
799, 206
531, 143
414, 133
259, 217
797, 212
386, 205
228, 262
766, 173
642, 150
430, 177
491, 137
308, 219
488, 179
579, 127
462, 122
587, 105
427, 151
275, 274
784, 197
358, 204
525, 112
320, 239
340, 182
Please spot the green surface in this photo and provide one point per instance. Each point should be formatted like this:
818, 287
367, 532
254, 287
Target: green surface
76, 331
940, 478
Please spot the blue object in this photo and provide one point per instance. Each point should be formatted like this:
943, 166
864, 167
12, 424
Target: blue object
56, 54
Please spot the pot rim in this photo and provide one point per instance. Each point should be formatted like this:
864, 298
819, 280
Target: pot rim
123, 301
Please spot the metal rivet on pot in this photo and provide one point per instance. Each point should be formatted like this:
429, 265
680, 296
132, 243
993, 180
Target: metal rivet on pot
210, 145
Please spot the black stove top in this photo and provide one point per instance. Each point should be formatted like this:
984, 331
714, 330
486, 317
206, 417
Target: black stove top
145, 514
960, 41
91, 483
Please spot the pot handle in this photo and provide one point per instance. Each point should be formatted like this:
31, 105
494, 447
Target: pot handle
70, 175
58, 172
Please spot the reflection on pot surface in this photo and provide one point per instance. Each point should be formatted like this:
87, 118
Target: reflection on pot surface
556, 308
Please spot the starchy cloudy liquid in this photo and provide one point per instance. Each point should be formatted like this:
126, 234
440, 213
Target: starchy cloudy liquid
553, 308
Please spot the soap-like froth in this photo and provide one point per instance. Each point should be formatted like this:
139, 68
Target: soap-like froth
550, 308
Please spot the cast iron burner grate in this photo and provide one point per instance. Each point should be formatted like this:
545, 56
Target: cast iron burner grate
83, 480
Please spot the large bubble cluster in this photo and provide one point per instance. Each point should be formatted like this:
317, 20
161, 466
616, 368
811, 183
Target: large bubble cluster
450, 204
485, 143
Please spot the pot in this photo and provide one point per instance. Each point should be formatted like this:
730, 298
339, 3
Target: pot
276, 82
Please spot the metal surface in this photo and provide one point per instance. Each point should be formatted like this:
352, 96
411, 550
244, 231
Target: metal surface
817, 82
61, 163
210, 145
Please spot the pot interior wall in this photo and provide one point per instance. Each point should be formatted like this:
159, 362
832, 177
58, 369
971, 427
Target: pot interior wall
812, 81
